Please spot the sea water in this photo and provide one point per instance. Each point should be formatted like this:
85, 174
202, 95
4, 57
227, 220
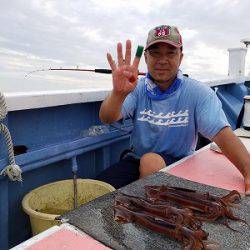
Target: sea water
50, 82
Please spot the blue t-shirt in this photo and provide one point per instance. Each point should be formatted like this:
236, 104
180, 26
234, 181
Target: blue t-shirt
171, 125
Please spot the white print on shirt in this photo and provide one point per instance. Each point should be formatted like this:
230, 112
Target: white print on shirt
171, 119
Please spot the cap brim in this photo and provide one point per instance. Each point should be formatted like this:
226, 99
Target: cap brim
164, 41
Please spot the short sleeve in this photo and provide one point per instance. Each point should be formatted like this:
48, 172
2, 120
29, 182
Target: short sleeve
210, 116
129, 104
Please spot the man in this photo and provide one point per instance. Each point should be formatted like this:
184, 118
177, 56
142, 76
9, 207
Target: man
168, 110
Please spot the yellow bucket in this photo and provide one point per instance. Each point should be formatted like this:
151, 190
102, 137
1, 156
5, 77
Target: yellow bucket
45, 203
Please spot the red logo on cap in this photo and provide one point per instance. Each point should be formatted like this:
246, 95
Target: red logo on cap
162, 31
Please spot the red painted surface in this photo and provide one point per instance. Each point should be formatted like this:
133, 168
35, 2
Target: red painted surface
210, 168
67, 240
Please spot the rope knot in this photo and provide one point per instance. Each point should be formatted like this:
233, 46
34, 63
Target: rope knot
13, 172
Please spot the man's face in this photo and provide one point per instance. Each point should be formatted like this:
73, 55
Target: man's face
163, 61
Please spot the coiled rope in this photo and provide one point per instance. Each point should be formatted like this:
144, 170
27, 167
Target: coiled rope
13, 171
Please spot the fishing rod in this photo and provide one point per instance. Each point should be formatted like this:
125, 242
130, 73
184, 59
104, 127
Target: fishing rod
102, 71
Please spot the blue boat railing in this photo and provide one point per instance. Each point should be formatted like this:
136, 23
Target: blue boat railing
231, 97
51, 146
53, 136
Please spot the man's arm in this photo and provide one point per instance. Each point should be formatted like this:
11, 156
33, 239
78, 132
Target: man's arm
236, 152
110, 110
124, 75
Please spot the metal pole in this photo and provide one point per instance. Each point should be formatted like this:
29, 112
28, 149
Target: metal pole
74, 171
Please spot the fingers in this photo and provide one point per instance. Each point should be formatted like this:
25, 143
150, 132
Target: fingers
136, 62
127, 60
128, 52
111, 62
129, 75
119, 55
138, 57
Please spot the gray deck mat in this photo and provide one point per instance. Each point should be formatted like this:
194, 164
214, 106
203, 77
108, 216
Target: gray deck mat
96, 219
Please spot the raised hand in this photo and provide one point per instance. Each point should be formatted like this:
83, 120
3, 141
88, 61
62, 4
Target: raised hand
124, 73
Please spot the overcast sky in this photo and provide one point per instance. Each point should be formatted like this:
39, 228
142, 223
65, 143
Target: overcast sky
36, 34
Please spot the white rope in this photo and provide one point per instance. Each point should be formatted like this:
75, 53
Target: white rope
13, 171
3, 107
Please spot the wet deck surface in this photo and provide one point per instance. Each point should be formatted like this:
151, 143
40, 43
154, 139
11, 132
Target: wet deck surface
96, 219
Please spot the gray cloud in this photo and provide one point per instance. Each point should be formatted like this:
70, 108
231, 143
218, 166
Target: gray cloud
36, 34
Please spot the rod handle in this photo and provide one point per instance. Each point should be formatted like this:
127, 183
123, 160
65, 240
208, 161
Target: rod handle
104, 71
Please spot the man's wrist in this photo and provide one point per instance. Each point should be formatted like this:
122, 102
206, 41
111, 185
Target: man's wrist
118, 95
246, 175
246, 172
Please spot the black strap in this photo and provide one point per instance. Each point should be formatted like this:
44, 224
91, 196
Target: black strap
126, 153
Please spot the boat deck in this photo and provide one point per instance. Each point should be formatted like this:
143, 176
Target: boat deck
93, 227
